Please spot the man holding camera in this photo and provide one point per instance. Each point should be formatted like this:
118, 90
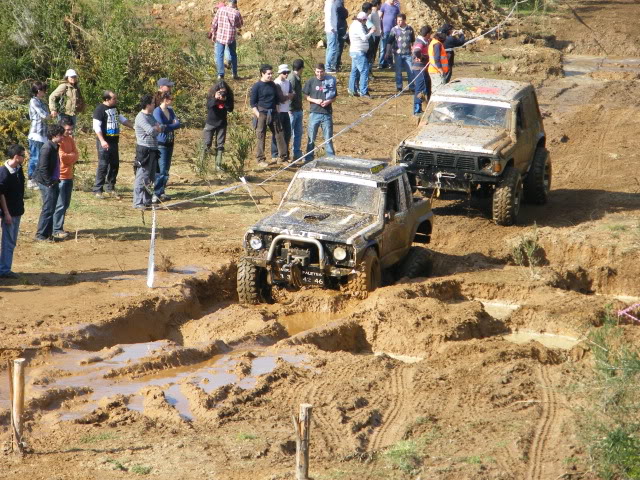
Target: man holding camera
453, 39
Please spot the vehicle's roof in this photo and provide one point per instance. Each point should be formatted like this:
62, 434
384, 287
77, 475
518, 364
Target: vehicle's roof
483, 88
377, 170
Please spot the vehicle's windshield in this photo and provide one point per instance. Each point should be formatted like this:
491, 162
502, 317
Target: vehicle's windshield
470, 114
334, 193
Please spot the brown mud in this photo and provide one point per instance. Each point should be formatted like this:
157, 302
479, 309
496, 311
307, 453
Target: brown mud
469, 366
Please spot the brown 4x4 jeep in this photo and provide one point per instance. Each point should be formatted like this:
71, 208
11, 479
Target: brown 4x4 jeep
482, 136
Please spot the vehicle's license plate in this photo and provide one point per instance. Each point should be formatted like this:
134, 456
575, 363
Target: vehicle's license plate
313, 278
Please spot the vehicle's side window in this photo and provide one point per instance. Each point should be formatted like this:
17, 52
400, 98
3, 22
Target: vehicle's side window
392, 201
407, 192
520, 121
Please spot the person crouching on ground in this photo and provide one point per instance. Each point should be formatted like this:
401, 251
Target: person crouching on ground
147, 130
165, 115
48, 177
11, 206
68, 153
219, 104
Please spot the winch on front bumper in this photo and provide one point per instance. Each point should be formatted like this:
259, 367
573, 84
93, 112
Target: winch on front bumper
297, 261
451, 170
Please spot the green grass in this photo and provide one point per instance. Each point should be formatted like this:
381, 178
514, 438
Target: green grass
97, 438
246, 436
140, 470
405, 455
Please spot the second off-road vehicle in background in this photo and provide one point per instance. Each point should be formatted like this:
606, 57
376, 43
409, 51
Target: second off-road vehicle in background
482, 136
341, 222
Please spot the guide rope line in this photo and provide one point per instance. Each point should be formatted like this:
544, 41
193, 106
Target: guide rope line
347, 128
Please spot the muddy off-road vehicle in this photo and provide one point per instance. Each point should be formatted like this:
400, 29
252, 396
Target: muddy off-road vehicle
482, 136
341, 222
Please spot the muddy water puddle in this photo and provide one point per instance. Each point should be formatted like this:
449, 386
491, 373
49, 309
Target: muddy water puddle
549, 340
300, 322
78, 368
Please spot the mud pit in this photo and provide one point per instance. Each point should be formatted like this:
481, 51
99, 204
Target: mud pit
469, 367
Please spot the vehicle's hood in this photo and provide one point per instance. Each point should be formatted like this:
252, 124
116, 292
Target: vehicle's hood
316, 222
459, 138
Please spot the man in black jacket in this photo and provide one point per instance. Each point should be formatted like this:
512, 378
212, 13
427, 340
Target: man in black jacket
48, 177
11, 206
453, 39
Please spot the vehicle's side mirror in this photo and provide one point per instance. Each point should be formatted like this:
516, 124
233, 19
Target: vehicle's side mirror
390, 215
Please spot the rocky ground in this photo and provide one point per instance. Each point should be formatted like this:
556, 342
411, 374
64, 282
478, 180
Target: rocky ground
463, 375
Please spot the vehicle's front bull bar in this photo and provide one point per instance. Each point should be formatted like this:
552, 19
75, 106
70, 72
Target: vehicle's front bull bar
313, 241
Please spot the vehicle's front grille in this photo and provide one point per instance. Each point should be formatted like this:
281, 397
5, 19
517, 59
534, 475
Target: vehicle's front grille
433, 159
466, 163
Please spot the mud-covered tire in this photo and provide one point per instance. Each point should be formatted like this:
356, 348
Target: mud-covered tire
507, 198
417, 263
538, 182
252, 283
367, 278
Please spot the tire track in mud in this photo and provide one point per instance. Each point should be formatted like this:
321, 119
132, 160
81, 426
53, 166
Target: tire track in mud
546, 423
393, 417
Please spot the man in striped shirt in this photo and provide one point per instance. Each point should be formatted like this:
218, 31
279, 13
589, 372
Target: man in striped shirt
224, 29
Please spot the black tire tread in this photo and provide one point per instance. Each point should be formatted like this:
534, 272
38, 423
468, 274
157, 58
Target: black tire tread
250, 291
358, 284
504, 198
534, 189
417, 263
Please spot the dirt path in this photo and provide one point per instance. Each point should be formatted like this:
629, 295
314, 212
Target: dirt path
183, 375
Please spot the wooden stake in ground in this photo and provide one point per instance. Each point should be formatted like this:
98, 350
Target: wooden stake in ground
302, 426
17, 403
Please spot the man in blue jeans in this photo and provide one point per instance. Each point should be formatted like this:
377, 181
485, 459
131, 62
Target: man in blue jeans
11, 206
295, 111
48, 177
223, 32
321, 92
389, 12
359, 41
331, 31
401, 39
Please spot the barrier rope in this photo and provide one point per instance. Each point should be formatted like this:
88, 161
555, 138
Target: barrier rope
351, 126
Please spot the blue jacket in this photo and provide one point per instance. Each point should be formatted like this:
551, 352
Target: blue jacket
167, 136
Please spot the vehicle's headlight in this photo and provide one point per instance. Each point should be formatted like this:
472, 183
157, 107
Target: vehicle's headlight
339, 253
255, 242
484, 163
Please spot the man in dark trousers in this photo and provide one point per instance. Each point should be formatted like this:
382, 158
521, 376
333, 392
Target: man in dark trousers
11, 206
453, 39
47, 176
264, 99
106, 125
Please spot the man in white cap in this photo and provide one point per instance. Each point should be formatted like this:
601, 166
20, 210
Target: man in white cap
66, 100
359, 40
283, 108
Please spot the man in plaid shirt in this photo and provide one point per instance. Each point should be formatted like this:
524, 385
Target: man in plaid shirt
224, 29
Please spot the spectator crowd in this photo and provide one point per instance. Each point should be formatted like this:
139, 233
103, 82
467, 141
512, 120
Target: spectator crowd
378, 33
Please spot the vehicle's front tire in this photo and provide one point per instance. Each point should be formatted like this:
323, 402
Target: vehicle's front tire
252, 284
417, 263
367, 278
538, 182
507, 198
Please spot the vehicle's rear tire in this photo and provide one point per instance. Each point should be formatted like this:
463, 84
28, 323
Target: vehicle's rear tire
507, 198
538, 182
417, 263
367, 278
252, 284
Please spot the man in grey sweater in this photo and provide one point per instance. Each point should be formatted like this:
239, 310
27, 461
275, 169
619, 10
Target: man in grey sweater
147, 129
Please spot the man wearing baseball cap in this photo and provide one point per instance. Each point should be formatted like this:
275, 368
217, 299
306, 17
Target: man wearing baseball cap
283, 108
359, 40
66, 100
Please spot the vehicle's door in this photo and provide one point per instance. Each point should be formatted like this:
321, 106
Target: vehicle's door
521, 153
395, 213
534, 126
